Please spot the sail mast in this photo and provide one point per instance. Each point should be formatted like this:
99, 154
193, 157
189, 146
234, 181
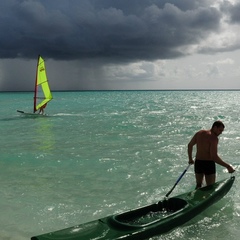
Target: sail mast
35, 89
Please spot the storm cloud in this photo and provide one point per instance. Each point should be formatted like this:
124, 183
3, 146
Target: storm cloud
113, 32
116, 30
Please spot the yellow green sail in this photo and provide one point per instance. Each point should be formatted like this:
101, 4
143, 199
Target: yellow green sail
42, 93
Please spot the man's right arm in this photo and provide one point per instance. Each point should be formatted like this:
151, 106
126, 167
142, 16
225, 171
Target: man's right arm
190, 148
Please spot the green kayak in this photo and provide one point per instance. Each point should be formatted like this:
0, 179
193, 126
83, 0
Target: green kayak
147, 221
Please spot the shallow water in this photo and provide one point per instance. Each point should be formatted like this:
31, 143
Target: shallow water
99, 153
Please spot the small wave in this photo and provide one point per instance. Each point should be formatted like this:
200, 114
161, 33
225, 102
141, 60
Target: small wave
67, 114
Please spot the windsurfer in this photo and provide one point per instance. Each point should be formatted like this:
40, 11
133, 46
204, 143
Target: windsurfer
41, 109
206, 142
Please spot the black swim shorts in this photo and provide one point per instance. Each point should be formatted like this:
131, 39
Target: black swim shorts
205, 166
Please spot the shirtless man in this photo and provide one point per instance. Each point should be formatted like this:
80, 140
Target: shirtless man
206, 155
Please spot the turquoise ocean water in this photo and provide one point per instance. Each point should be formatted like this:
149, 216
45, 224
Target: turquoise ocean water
99, 153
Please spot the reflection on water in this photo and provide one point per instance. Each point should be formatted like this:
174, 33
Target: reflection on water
45, 134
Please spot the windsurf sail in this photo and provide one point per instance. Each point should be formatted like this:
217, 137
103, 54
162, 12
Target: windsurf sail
42, 93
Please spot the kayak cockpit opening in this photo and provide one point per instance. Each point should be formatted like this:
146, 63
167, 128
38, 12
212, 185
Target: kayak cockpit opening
172, 204
148, 215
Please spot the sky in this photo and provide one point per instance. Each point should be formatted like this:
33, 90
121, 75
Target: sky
121, 44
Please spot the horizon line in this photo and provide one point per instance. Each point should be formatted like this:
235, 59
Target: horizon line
105, 90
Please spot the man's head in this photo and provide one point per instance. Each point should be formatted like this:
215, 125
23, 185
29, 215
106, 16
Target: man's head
217, 127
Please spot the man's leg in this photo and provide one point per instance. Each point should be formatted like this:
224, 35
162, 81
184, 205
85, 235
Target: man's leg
199, 179
210, 179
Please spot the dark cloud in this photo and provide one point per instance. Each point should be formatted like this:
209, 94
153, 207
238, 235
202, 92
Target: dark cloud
232, 10
103, 29
110, 44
